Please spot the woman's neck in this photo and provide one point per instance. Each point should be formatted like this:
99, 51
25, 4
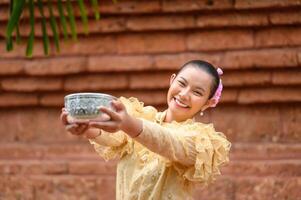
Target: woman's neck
169, 117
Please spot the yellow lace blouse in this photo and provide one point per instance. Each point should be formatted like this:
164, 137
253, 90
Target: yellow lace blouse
167, 159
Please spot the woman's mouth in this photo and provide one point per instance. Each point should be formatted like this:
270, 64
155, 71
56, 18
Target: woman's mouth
179, 103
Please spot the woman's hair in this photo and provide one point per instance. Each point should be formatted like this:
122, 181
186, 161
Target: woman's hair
207, 67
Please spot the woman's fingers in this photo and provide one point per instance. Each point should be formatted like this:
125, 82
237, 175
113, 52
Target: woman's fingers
63, 117
77, 129
117, 105
106, 126
113, 115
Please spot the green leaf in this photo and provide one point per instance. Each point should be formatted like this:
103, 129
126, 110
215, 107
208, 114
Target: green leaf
83, 13
53, 26
44, 30
62, 18
30, 42
96, 9
72, 20
17, 9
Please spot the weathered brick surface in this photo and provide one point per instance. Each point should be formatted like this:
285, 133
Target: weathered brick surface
261, 58
31, 84
132, 51
270, 188
150, 43
292, 17
266, 3
119, 63
232, 19
220, 40
96, 82
282, 36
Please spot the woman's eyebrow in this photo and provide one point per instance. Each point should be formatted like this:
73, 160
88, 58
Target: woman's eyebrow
200, 88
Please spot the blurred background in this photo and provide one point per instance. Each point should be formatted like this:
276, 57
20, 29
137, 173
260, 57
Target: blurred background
132, 51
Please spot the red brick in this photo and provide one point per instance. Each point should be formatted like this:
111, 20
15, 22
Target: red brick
229, 95
48, 151
264, 58
248, 78
172, 22
288, 17
4, 13
232, 19
10, 67
299, 59
248, 123
243, 4
262, 151
220, 40
282, 168
286, 78
56, 66
119, 63
291, 121
98, 167
130, 7
154, 43
268, 95
88, 45
149, 80
56, 99
221, 189
175, 61
96, 82
31, 84
104, 25
18, 99
32, 125
269, 188
192, 5
288, 36
19, 50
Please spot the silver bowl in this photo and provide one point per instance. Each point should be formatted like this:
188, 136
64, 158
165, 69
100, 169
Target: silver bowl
86, 105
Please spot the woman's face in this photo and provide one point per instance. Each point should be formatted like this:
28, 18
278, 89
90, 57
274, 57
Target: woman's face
188, 93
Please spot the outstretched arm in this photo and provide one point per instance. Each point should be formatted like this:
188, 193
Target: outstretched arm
153, 136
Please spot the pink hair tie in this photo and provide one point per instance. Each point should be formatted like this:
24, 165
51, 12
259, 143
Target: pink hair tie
219, 89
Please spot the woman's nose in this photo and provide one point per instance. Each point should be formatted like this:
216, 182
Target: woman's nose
184, 93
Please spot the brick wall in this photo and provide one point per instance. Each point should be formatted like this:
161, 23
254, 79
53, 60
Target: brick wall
132, 51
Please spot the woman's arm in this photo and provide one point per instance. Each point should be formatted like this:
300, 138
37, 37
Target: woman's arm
153, 136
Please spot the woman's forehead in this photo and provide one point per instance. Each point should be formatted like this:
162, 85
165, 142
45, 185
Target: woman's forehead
195, 75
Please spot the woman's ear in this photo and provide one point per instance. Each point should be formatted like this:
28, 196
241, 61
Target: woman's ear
208, 104
172, 78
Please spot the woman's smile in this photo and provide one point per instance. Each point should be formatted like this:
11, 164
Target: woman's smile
180, 103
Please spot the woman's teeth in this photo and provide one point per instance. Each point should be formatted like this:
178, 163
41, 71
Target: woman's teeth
180, 104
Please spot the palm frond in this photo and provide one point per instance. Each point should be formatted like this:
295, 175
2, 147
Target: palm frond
53, 26
30, 41
65, 25
16, 11
44, 30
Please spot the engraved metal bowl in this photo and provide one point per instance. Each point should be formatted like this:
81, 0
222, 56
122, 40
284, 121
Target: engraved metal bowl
86, 105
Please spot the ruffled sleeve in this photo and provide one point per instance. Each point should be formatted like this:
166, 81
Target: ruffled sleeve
115, 145
195, 150
211, 151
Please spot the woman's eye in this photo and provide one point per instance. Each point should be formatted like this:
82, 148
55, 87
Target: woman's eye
198, 93
181, 83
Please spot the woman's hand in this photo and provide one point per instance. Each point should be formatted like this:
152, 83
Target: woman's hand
119, 120
75, 127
